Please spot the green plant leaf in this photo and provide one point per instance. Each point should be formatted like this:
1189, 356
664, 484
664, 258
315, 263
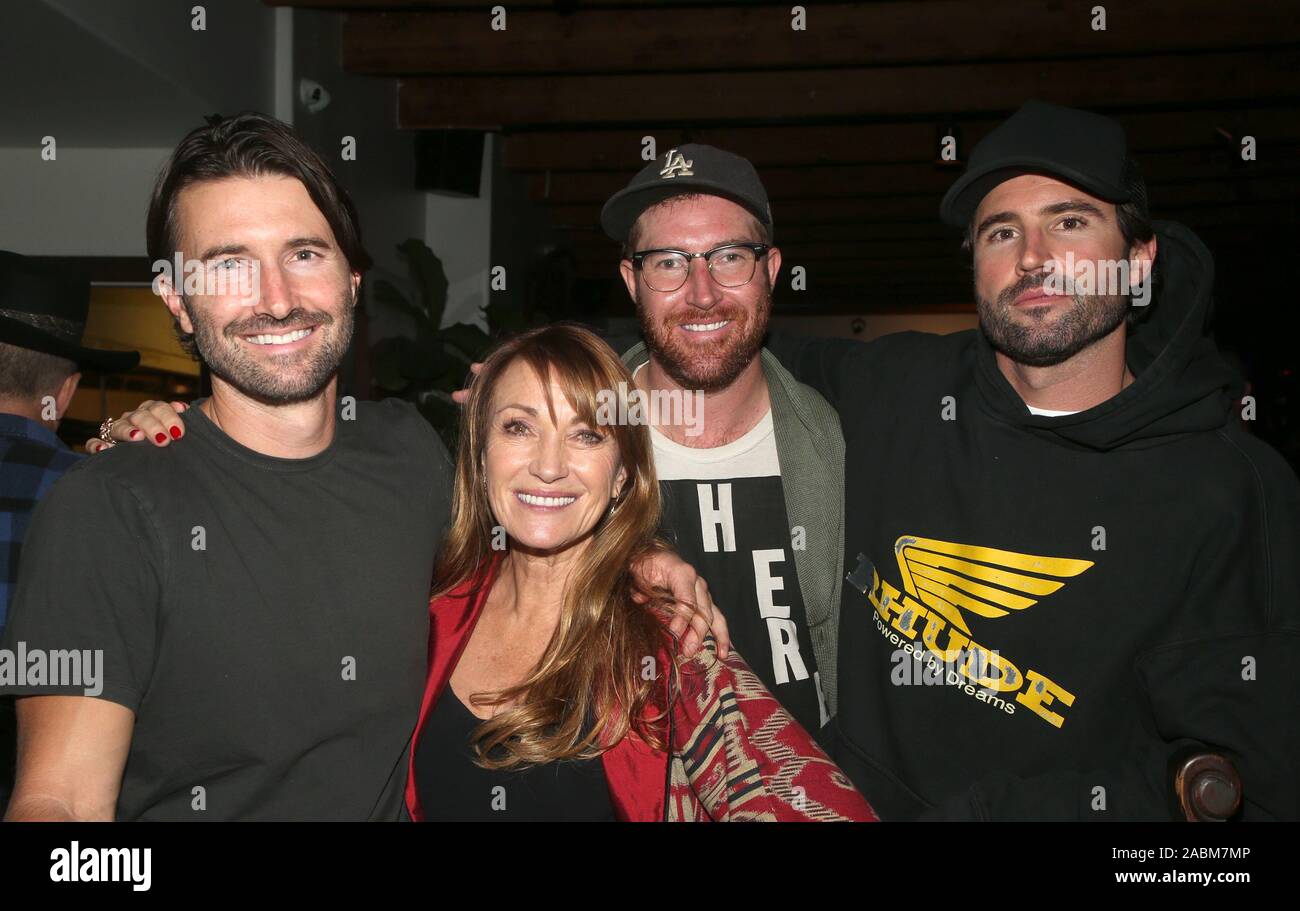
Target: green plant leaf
387, 295
386, 366
466, 340
429, 277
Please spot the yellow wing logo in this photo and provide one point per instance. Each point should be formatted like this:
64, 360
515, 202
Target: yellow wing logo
951, 578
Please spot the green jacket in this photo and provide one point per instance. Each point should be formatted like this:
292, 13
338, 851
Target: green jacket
808, 437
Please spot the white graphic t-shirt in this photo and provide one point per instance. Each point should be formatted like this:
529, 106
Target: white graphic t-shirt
724, 509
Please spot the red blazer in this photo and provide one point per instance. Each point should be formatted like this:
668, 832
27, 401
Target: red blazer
736, 753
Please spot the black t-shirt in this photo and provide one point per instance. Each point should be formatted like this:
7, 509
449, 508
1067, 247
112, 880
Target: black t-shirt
266, 619
724, 509
453, 787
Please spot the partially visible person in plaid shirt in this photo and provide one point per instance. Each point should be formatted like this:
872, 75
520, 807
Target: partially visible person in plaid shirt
31, 459
42, 319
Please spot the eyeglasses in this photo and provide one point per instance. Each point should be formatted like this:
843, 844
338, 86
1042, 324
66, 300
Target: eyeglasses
731, 265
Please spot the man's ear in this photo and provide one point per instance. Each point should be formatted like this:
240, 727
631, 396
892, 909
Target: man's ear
356, 288
1141, 256
171, 298
67, 389
628, 271
773, 266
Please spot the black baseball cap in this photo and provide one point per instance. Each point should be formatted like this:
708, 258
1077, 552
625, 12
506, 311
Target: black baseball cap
686, 168
1082, 148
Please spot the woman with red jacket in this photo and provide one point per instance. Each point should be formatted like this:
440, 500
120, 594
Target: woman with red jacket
555, 690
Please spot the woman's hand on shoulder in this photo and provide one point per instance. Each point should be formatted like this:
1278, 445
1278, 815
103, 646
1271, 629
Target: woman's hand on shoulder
155, 422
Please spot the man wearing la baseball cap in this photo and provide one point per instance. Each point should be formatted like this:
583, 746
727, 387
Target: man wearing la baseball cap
1073, 582
42, 318
753, 484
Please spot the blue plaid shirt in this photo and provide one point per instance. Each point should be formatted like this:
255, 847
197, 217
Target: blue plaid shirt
32, 458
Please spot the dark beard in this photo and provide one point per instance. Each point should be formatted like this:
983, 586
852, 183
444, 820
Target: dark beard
1090, 318
711, 367
226, 358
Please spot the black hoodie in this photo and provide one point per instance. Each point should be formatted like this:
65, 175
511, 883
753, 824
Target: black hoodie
1108, 589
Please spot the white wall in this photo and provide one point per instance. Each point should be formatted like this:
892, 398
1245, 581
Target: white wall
133, 78
87, 202
116, 85
381, 179
459, 231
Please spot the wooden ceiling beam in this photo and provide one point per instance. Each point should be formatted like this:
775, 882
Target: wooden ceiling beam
1197, 196
781, 183
619, 150
486, 5
760, 37
822, 181
491, 102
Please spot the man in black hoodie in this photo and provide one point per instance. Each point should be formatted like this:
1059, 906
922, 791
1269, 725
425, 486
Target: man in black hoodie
1068, 569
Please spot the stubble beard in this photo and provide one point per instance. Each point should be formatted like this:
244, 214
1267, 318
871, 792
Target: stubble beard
303, 374
713, 365
1034, 341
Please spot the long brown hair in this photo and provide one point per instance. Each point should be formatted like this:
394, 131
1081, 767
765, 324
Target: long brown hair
596, 681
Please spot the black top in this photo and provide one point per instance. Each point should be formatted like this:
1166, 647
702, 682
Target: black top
266, 619
452, 787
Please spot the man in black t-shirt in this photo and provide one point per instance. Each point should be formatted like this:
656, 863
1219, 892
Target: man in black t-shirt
217, 600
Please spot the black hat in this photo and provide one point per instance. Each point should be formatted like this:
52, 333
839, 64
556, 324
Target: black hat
1081, 148
45, 310
687, 168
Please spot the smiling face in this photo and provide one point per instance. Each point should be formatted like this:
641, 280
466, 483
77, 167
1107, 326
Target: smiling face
281, 337
1025, 229
704, 335
550, 478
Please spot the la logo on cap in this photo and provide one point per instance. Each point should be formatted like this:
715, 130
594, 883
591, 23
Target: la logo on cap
677, 165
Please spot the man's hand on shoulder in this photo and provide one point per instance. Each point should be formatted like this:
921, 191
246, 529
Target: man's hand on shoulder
694, 613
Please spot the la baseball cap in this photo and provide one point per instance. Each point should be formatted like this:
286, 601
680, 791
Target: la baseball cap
693, 167
1079, 147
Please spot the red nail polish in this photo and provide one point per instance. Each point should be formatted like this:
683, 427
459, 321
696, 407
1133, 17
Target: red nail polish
161, 438
176, 433
134, 434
